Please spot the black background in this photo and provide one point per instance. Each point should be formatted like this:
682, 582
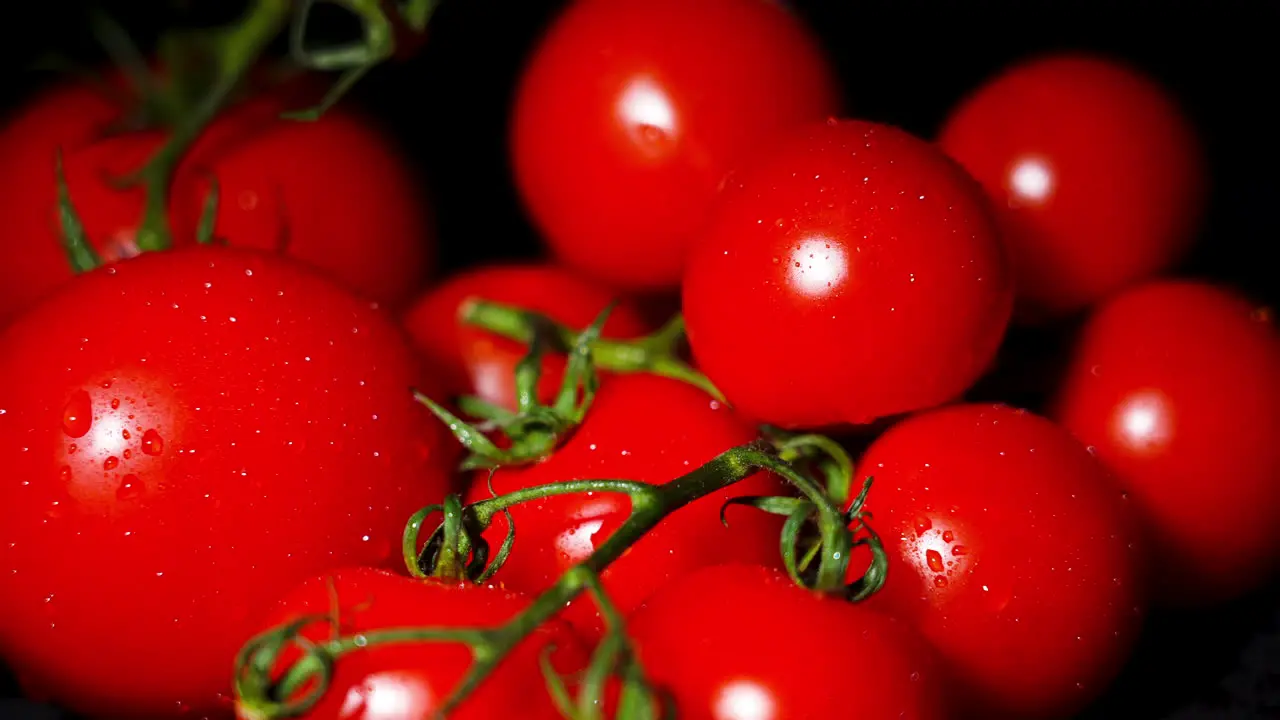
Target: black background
902, 62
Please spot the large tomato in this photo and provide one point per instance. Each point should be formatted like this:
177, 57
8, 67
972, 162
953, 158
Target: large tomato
186, 435
850, 272
1012, 551
643, 428
332, 193
403, 680
1096, 176
738, 642
631, 111
1176, 386
477, 362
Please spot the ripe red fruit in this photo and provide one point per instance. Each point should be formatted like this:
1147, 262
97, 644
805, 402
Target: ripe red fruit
850, 272
1097, 177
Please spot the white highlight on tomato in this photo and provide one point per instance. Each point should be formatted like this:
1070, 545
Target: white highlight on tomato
1031, 179
385, 696
645, 109
817, 266
744, 700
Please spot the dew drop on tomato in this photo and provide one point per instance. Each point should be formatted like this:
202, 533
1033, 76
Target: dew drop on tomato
77, 415
152, 443
130, 487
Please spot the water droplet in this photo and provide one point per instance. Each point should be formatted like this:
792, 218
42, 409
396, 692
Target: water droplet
72, 448
948, 536
64, 473
127, 454
77, 415
130, 487
115, 403
360, 641
940, 581
923, 524
110, 463
959, 550
152, 443
915, 676
934, 559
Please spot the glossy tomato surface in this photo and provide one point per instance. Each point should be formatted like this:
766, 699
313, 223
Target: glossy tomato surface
850, 272
476, 362
644, 428
411, 679
740, 641
1176, 385
332, 193
1013, 553
187, 434
630, 112
1097, 177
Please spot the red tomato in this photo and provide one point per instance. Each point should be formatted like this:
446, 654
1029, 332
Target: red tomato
1096, 176
867, 246
1011, 551
186, 435
701, 639
644, 428
391, 681
480, 363
316, 191
631, 111
1176, 385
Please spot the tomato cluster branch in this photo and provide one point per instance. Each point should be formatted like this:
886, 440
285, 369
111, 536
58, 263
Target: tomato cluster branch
456, 543
657, 354
207, 68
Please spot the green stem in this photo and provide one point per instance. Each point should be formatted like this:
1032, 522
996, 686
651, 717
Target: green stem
239, 45
655, 354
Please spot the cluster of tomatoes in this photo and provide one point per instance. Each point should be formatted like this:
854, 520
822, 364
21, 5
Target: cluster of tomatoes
224, 458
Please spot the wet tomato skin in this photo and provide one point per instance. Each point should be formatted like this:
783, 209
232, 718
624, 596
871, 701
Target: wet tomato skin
644, 428
866, 247
1176, 385
630, 112
371, 232
1013, 553
187, 434
1096, 175
410, 679
473, 361
706, 639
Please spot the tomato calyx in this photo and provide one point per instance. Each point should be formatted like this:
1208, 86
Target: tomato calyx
657, 353
534, 430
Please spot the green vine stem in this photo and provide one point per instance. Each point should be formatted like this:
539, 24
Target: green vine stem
237, 48
613, 657
650, 504
657, 353
534, 430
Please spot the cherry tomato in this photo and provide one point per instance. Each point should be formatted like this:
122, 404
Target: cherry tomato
1096, 176
477, 362
709, 639
644, 428
631, 111
1012, 552
331, 193
850, 272
186, 435
387, 681
1176, 385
